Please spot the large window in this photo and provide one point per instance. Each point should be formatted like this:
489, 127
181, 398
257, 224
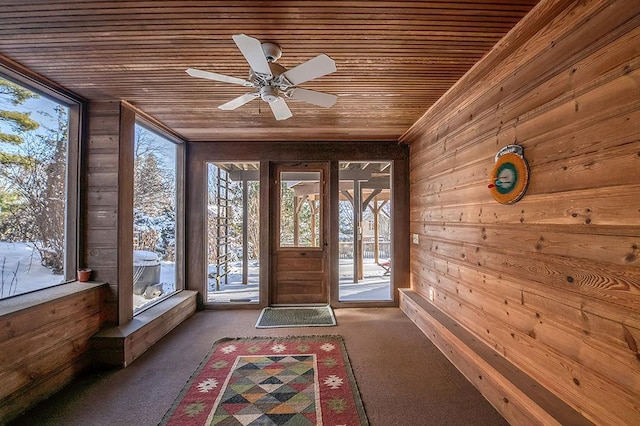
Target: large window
365, 231
154, 217
38, 187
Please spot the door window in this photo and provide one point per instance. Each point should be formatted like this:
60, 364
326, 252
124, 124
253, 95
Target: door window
300, 209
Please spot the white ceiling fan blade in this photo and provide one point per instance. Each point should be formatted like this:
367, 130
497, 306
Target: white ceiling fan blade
218, 77
280, 109
239, 101
251, 49
313, 68
312, 97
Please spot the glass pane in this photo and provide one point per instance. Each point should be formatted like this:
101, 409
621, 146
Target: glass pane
34, 133
364, 210
233, 241
300, 209
154, 218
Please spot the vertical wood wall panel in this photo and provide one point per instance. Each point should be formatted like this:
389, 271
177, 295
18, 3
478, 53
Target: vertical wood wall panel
552, 282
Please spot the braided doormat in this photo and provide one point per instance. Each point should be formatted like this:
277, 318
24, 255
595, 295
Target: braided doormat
296, 316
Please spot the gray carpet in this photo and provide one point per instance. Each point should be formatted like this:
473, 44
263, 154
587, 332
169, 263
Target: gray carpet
298, 316
422, 388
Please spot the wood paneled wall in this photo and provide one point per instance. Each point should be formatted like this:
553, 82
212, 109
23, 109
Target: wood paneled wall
44, 346
552, 283
108, 202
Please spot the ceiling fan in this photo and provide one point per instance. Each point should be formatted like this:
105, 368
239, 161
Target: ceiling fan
272, 82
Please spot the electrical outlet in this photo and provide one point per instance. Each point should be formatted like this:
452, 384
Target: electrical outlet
416, 239
432, 294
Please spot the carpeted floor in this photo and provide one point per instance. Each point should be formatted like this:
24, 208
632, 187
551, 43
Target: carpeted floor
403, 379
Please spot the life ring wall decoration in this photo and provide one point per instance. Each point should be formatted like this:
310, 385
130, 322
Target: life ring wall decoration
510, 175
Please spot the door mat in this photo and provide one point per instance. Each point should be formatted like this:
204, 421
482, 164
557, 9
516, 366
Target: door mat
305, 380
296, 316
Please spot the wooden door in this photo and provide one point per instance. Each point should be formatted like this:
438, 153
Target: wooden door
299, 233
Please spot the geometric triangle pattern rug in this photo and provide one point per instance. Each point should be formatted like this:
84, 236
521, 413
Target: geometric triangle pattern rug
296, 316
288, 381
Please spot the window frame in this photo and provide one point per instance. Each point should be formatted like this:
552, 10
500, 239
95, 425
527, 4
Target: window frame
77, 110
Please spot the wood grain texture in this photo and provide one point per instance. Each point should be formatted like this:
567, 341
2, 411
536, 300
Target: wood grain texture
551, 283
44, 347
300, 274
518, 397
394, 58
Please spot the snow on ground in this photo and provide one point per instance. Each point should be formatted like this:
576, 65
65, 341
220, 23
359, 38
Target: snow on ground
374, 287
21, 271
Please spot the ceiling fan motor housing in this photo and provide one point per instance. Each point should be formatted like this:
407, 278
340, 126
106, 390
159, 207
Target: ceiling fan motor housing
269, 93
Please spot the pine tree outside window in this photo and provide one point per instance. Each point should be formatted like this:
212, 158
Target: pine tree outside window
37, 215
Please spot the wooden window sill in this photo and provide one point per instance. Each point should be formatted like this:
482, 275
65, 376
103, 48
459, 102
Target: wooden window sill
37, 298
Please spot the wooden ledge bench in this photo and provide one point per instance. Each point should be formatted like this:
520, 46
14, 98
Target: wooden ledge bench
517, 397
119, 346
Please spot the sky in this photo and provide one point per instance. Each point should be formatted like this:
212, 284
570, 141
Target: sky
41, 109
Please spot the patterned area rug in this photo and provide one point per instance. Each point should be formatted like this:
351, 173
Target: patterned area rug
299, 316
293, 381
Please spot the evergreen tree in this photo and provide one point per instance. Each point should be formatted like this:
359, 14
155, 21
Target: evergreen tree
34, 194
19, 122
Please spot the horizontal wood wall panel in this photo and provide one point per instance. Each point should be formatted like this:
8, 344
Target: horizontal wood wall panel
552, 283
71, 344
43, 347
596, 279
567, 338
102, 197
598, 244
555, 371
604, 206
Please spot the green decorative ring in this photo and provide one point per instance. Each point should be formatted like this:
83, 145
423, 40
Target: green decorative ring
509, 178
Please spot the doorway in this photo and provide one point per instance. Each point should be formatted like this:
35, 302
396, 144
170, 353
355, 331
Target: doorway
299, 233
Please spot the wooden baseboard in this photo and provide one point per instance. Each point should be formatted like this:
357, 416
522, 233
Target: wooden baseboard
516, 396
120, 346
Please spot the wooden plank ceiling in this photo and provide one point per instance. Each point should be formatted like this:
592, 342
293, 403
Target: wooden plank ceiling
394, 58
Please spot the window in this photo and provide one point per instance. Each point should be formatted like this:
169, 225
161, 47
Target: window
365, 231
38, 186
154, 217
300, 209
